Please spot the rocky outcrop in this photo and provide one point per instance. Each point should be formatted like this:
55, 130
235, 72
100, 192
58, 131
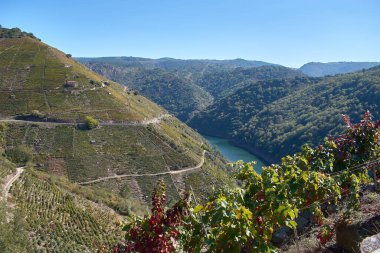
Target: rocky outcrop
350, 236
371, 244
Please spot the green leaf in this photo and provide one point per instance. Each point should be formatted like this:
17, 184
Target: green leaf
305, 177
291, 224
291, 214
198, 208
247, 212
275, 178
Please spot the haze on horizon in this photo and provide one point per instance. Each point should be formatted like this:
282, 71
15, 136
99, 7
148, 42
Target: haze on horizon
290, 33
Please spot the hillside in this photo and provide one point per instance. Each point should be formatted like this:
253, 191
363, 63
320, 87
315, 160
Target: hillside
46, 96
230, 113
177, 94
304, 111
318, 69
312, 112
59, 220
223, 83
185, 87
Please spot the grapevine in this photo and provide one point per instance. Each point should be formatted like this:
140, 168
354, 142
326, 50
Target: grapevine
245, 218
158, 233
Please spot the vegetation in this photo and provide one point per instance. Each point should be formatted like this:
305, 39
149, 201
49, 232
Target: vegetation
52, 212
177, 94
60, 221
90, 122
303, 112
230, 113
177, 86
13, 236
245, 218
33, 67
224, 83
32, 86
37, 114
20, 154
159, 232
14, 33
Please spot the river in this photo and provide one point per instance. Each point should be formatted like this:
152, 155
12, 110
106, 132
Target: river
233, 153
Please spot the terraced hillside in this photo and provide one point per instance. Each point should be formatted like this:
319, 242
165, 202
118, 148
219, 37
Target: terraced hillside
45, 97
59, 221
40, 215
34, 76
175, 92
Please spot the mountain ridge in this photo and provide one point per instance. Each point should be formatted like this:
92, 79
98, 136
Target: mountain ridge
319, 69
185, 89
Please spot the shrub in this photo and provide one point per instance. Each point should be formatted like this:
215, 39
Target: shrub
37, 114
91, 123
20, 154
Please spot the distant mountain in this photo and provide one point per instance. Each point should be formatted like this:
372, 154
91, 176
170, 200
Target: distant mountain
274, 118
318, 69
175, 64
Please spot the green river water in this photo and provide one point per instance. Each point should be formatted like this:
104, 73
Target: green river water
234, 153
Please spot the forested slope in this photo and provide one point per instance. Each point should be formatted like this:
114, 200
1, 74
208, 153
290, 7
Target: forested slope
303, 111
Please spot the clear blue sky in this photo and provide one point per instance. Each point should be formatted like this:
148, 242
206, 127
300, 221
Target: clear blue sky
288, 32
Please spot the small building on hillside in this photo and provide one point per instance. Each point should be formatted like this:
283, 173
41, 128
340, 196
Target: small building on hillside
71, 84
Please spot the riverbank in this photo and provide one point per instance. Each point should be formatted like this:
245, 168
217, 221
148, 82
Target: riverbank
233, 152
260, 154
266, 158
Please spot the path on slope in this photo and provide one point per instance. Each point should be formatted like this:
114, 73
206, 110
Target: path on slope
155, 120
8, 184
173, 172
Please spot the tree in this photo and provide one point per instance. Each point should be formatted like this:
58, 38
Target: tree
20, 154
91, 123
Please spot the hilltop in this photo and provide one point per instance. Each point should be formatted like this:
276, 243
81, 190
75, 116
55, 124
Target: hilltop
14, 33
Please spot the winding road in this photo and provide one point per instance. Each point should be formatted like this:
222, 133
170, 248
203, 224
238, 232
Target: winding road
173, 172
8, 184
155, 120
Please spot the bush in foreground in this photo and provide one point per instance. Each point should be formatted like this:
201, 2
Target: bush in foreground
244, 219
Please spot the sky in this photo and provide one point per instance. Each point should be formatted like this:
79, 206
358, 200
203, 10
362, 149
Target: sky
287, 32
